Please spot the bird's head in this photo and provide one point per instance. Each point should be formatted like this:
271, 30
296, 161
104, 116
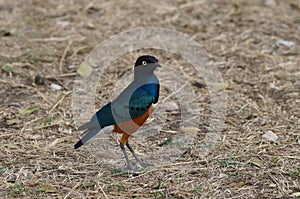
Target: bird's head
147, 62
144, 67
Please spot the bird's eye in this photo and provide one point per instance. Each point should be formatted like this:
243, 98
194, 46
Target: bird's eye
144, 63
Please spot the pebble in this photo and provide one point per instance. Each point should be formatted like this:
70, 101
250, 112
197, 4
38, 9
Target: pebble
171, 106
55, 86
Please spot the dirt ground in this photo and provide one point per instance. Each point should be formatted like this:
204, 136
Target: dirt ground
43, 42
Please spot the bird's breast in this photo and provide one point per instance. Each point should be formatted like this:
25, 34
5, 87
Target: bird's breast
131, 126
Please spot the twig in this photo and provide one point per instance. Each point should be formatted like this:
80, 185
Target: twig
59, 101
79, 49
190, 4
27, 123
43, 126
77, 185
64, 55
63, 169
174, 93
277, 183
55, 39
100, 187
61, 75
164, 167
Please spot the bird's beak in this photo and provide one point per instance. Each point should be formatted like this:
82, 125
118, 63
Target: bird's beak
157, 65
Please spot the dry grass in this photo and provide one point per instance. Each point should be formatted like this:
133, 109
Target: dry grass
262, 81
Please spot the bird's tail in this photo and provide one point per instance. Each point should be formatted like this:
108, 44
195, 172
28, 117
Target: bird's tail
89, 134
91, 129
84, 126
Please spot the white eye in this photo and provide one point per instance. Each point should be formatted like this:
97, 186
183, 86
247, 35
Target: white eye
144, 63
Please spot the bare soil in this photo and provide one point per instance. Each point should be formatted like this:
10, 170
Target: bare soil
43, 42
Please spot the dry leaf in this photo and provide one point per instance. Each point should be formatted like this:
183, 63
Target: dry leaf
84, 70
48, 189
13, 121
296, 194
28, 110
257, 163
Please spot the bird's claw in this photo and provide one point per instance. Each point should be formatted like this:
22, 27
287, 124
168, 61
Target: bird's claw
131, 166
145, 164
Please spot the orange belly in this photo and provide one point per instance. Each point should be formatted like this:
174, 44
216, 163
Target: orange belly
131, 126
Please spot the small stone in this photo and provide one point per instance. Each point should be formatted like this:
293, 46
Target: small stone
14, 105
270, 3
171, 106
284, 43
269, 135
39, 80
90, 25
63, 24
12, 179
55, 86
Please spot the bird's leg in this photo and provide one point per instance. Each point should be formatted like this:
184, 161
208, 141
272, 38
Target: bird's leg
126, 156
142, 163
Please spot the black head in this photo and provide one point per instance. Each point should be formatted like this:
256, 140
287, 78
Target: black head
145, 60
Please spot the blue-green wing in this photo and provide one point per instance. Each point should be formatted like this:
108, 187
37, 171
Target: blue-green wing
142, 99
135, 105
139, 103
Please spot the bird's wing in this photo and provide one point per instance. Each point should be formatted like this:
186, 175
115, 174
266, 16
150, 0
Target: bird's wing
140, 100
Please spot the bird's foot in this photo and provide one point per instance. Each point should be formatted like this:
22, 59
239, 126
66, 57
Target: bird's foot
132, 166
144, 164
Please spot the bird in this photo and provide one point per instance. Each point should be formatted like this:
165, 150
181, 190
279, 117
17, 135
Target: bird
130, 110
